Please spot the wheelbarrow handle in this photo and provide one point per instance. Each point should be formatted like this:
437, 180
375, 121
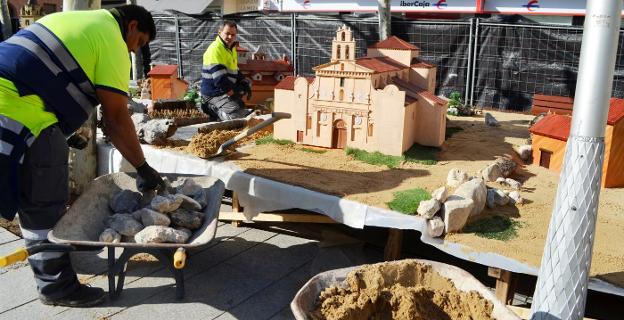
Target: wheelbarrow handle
16, 256
275, 116
22, 253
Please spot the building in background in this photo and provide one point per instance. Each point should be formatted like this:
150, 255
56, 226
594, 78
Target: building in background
382, 102
25, 12
263, 72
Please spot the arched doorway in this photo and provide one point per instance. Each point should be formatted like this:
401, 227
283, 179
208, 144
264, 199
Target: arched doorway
339, 137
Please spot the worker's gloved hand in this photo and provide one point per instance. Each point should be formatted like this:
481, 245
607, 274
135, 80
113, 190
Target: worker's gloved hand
245, 88
77, 141
148, 179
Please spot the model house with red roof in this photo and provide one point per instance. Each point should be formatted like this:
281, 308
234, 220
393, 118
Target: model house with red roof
550, 136
264, 74
165, 82
382, 102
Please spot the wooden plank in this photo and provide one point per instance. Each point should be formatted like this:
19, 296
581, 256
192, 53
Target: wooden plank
555, 105
392, 251
552, 98
278, 217
505, 284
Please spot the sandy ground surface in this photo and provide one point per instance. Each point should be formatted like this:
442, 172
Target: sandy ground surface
334, 172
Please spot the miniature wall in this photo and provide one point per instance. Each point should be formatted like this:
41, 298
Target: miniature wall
389, 114
613, 171
557, 147
424, 78
401, 56
431, 123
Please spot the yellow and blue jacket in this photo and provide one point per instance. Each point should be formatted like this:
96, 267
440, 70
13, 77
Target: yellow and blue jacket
220, 69
49, 73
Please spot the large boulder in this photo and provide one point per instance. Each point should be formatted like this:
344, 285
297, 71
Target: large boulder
456, 212
428, 208
476, 191
456, 177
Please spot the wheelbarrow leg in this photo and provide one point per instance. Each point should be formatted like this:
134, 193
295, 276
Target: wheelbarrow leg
166, 257
117, 268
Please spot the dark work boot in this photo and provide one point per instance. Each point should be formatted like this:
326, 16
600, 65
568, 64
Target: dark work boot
84, 296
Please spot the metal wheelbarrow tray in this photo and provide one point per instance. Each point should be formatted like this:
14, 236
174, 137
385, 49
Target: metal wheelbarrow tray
86, 219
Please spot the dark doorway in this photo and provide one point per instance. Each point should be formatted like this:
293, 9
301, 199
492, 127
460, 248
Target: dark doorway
545, 156
339, 137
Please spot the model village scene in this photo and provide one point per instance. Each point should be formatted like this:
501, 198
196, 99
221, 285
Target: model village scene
311, 159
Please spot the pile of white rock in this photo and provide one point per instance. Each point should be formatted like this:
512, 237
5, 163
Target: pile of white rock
448, 211
170, 217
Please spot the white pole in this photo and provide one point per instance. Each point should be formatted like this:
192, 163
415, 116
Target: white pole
384, 18
561, 290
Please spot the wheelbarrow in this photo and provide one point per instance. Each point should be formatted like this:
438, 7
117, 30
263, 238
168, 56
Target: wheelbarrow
305, 301
85, 220
237, 124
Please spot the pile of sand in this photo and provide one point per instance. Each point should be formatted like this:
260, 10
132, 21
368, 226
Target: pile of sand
204, 145
406, 290
471, 149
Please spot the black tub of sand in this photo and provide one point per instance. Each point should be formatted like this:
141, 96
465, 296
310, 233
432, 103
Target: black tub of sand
406, 289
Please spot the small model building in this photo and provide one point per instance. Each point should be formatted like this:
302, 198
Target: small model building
165, 82
264, 74
550, 136
382, 102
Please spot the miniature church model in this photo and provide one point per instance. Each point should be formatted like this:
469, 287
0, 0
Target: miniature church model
382, 102
264, 73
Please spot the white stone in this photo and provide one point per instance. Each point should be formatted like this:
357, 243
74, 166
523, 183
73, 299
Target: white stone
500, 180
161, 234
440, 194
524, 152
476, 191
501, 197
515, 198
491, 173
490, 120
165, 203
456, 212
496, 197
428, 208
513, 183
456, 177
435, 227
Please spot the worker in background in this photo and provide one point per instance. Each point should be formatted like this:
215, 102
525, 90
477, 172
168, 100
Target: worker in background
220, 75
52, 76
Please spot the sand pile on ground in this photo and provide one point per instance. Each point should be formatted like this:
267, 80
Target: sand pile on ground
471, 149
406, 290
204, 145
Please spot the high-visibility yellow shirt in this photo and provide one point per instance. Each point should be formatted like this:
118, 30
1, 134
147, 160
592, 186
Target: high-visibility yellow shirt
95, 41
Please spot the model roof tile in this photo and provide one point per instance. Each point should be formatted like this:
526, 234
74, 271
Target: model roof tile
266, 66
558, 126
380, 64
395, 43
421, 64
289, 82
163, 69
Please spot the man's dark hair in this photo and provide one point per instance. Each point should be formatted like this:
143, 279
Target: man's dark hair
129, 12
228, 23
